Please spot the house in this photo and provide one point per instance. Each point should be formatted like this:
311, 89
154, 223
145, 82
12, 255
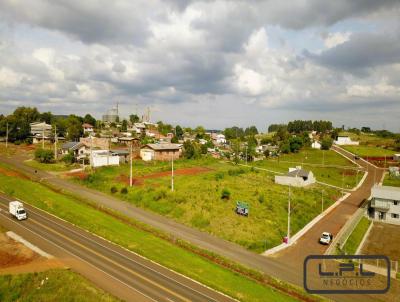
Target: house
394, 171
96, 142
218, 138
296, 177
345, 140
40, 131
87, 128
123, 155
138, 128
384, 204
396, 157
316, 145
163, 151
79, 150
99, 158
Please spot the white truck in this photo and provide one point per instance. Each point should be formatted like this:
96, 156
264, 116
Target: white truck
17, 210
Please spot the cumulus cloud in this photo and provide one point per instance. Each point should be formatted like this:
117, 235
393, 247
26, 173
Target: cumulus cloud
205, 59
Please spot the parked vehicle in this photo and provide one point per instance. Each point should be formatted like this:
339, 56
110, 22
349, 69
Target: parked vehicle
242, 208
17, 210
326, 238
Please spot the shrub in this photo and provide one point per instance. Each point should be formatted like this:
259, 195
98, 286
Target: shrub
124, 191
160, 194
225, 194
199, 221
219, 175
261, 198
235, 172
44, 156
114, 190
69, 158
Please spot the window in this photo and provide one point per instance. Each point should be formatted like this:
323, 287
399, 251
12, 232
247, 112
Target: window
395, 202
395, 215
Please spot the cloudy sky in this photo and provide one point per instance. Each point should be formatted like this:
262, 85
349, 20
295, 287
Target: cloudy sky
214, 63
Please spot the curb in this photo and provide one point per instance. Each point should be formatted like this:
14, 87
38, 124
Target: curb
364, 238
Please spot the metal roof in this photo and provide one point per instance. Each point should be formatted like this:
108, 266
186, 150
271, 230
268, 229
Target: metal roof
386, 192
72, 145
299, 173
165, 146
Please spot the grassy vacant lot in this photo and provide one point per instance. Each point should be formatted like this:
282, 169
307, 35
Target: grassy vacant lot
391, 181
139, 241
327, 166
196, 200
369, 139
55, 167
369, 151
58, 285
356, 236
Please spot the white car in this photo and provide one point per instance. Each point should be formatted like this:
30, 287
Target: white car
326, 238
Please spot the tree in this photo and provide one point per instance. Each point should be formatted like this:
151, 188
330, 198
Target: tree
200, 132
44, 156
326, 143
124, 125
295, 144
178, 132
366, 129
88, 119
74, 127
275, 127
134, 118
191, 150
252, 130
47, 117
174, 140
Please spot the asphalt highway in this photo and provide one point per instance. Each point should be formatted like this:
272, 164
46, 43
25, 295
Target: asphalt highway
123, 273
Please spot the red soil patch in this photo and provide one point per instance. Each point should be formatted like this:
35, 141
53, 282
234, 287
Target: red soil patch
184, 171
349, 173
11, 173
81, 175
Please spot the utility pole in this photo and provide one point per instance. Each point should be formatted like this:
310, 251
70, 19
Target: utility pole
342, 183
130, 169
55, 142
43, 137
7, 135
322, 200
172, 172
323, 157
108, 151
91, 154
288, 224
246, 154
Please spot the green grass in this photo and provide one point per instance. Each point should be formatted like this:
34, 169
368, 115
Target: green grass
356, 236
55, 167
370, 139
196, 200
369, 151
58, 285
327, 166
140, 241
391, 181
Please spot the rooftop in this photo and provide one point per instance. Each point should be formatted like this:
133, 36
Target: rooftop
386, 192
164, 146
298, 173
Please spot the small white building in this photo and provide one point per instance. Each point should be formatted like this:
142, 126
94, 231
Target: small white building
87, 128
396, 157
101, 158
296, 177
385, 204
316, 145
345, 140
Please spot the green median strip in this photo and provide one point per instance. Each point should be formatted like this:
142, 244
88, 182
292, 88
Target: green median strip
52, 285
131, 234
356, 236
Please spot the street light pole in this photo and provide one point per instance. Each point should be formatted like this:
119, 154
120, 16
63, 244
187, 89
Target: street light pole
288, 225
130, 172
322, 201
43, 137
55, 142
7, 135
172, 172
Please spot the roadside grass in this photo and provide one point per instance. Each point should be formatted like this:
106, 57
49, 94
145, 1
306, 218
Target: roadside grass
51, 285
391, 181
54, 167
354, 240
365, 151
144, 243
197, 199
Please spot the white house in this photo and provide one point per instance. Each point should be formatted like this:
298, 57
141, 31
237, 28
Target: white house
87, 128
40, 130
297, 177
345, 140
101, 158
316, 145
385, 204
79, 149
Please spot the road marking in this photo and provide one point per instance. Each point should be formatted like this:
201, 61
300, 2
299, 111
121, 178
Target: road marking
129, 259
87, 262
111, 261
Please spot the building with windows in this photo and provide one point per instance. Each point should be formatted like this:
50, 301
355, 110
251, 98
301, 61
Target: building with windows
163, 151
384, 205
